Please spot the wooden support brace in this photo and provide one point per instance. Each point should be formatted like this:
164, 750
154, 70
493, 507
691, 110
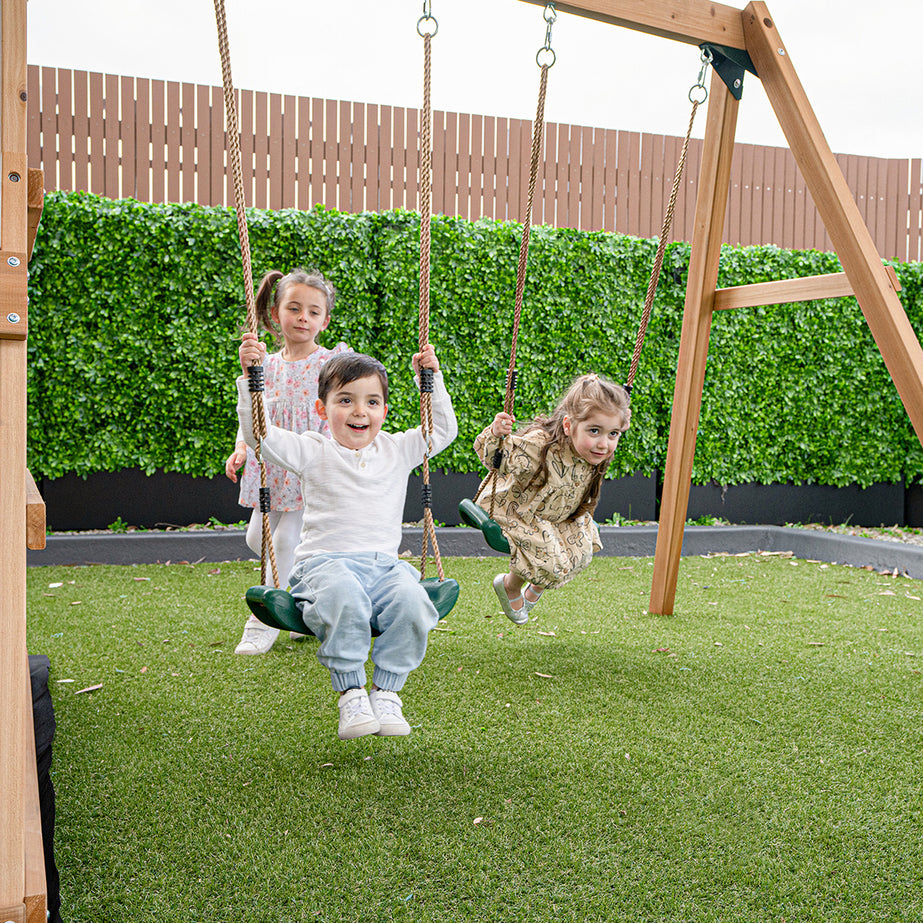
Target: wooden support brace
807, 288
880, 305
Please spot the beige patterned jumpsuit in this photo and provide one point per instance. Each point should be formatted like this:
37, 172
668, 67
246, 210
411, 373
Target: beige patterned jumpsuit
546, 547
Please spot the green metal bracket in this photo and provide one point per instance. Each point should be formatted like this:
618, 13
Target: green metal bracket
730, 64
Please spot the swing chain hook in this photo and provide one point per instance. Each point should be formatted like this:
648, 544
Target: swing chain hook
697, 98
550, 16
423, 23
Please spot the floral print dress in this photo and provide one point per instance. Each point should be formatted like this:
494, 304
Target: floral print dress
546, 547
289, 398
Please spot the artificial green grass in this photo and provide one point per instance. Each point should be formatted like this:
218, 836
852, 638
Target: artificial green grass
754, 757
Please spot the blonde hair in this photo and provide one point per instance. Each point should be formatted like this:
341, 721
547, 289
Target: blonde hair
272, 290
586, 395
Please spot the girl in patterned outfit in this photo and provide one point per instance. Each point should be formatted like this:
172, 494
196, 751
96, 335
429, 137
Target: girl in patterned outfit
547, 488
296, 308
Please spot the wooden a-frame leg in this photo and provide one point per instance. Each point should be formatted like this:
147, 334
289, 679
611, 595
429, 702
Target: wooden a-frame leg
880, 304
718, 150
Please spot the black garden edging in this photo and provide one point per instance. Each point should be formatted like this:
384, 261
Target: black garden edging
618, 541
165, 498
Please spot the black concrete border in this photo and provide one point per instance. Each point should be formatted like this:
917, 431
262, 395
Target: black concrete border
618, 541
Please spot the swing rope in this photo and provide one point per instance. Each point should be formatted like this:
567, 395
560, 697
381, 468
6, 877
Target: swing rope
538, 131
255, 371
426, 21
696, 98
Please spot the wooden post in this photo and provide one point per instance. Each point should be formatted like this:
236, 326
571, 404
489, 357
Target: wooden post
15, 698
717, 152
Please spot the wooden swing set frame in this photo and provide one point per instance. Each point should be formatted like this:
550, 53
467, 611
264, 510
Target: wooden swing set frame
750, 32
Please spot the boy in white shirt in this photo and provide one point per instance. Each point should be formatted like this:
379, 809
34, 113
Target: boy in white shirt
347, 578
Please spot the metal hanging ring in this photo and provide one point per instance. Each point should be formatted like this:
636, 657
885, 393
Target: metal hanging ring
700, 97
546, 62
424, 32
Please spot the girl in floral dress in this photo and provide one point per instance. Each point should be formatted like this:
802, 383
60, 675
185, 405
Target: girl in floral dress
547, 487
296, 308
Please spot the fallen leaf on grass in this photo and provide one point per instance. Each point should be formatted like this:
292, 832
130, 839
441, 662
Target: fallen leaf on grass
544, 675
140, 579
887, 593
816, 643
144, 669
52, 586
548, 634
477, 820
65, 681
661, 650
89, 689
76, 602
833, 596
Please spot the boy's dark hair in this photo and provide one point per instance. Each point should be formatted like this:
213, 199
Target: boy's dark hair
347, 367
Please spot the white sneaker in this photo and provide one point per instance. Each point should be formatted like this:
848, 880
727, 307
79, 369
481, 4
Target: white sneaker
356, 716
257, 638
387, 708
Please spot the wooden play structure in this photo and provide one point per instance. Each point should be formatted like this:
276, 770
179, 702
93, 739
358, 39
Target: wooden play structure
742, 41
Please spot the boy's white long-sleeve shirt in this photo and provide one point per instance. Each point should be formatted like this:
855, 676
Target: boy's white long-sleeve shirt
353, 499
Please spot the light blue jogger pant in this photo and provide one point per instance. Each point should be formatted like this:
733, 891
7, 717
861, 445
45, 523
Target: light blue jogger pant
344, 596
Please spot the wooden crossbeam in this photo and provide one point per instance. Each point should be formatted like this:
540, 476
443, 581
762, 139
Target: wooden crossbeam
807, 288
690, 21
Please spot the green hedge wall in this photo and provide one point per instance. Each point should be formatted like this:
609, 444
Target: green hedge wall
135, 310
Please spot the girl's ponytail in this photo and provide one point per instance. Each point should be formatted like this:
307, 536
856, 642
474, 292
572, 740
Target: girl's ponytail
265, 300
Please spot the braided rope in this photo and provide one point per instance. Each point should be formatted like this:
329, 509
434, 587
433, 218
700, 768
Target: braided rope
538, 131
658, 259
426, 207
233, 145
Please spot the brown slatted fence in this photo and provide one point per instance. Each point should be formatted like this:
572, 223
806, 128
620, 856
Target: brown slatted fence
163, 141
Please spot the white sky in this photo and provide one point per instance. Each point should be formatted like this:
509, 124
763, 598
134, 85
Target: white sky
860, 63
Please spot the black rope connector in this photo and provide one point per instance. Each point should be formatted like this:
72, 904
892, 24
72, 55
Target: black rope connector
255, 375
265, 500
511, 380
427, 496
628, 388
426, 381
497, 460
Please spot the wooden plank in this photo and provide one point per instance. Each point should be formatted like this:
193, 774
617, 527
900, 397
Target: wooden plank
451, 164
693, 347
357, 167
785, 291
317, 152
464, 165
915, 231
489, 168
218, 148
158, 142
35, 895
143, 139
13, 673
896, 221
371, 158
502, 168
595, 201
128, 160
260, 174
203, 146
289, 150
610, 179
563, 178
303, 155
65, 152
35, 111
97, 180
399, 157
49, 123
645, 194
36, 201
385, 200
111, 134
274, 166
331, 140
688, 21
880, 305
173, 155
634, 189
35, 515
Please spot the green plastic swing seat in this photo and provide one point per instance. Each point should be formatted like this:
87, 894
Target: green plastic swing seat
476, 517
277, 608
